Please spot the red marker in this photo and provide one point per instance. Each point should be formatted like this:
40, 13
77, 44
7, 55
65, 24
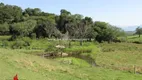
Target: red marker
15, 77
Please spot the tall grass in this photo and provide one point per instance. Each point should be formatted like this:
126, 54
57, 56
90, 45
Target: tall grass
121, 56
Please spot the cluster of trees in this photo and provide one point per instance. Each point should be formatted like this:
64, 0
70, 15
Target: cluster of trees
35, 23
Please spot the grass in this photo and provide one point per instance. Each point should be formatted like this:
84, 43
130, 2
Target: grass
134, 38
131, 38
74, 61
116, 61
4, 37
121, 56
31, 67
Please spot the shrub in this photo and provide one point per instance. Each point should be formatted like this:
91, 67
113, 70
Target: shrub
27, 41
137, 42
4, 43
21, 43
13, 37
123, 39
51, 48
33, 35
18, 44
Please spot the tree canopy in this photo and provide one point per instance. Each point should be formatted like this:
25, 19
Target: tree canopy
33, 21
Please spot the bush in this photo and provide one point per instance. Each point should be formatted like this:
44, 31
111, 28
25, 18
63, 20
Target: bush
4, 43
33, 35
51, 48
137, 42
18, 44
21, 43
13, 37
123, 39
27, 41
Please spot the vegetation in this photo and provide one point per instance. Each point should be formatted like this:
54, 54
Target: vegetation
134, 38
32, 67
139, 31
35, 23
121, 56
40, 45
113, 61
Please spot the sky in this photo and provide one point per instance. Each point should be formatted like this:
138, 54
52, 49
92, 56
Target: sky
126, 14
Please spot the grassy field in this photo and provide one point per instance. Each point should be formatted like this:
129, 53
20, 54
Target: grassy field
121, 56
134, 38
116, 61
31, 67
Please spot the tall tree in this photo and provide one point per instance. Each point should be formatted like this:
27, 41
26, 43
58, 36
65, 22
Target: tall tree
63, 20
90, 33
47, 29
139, 31
10, 13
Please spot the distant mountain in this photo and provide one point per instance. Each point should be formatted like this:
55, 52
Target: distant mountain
129, 28
130, 32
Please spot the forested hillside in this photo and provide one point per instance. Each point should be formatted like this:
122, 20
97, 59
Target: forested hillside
35, 23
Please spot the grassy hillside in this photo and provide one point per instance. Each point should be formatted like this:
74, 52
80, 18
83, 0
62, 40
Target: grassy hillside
31, 67
134, 38
121, 56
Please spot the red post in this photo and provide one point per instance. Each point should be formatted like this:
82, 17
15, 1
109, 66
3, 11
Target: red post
15, 77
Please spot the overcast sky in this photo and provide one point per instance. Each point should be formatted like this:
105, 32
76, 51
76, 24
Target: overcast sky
121, 13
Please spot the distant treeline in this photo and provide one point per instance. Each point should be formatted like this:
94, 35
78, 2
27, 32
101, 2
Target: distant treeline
35, 23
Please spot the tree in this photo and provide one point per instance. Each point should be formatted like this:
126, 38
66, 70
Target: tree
17, 13
36, 11
32, 12
88, 21
1, 4
28, 11
46, 29
106, 32
4, 29
10, 13
90, 33
100, 27
81, 27
139, 31
23, 28
72, 25
63, 20
34, 22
